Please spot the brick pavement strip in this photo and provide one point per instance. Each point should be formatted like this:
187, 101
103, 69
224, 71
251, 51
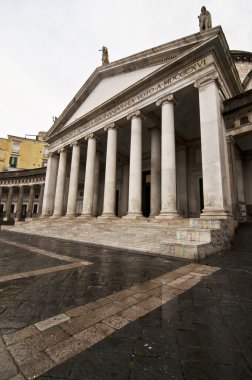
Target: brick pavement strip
42, 251
39, 272
40, 347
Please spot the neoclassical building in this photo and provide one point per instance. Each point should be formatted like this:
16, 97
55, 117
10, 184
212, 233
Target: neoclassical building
145, 136
163, 134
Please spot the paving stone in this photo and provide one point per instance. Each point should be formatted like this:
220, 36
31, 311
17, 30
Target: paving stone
77, 311
150, 304
7, 368
20, 335
31, 346
133, 313
36, 366
18, 377
66, 349
53, 321
116, 321
94, 333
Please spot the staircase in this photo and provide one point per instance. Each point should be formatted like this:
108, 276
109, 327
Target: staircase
202, 238
185, 238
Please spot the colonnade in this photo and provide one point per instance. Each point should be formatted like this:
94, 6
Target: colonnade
163, 165
20, 199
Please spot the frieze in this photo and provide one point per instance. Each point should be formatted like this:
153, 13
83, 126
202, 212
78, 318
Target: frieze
155, 88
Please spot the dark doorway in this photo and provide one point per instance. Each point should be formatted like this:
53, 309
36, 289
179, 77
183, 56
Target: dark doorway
24, 210
1, 210
146, 193
201, 194
35, 209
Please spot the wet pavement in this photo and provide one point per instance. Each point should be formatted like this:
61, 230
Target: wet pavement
120, 315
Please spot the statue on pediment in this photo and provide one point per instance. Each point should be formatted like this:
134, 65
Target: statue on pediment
205, 20
105, 56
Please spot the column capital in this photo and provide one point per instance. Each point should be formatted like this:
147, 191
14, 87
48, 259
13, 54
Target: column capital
209, 78
62, 150
169, 98
136, 113
91, 136
74, 143
110, 126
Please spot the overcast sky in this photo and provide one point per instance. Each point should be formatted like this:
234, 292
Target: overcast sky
50, 47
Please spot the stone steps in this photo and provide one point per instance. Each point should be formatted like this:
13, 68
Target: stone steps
140, 235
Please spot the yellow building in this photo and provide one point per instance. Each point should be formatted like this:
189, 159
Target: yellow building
17, 153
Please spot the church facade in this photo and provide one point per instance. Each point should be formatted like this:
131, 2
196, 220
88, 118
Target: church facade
145, 136
164, 134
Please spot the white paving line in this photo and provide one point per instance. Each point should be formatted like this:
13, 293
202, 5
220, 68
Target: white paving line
40, 251
86, 325
39, 272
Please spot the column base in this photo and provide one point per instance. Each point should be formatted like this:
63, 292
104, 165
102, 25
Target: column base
164, 215
215, 214
107, 216
135, 216
44, 216
56, 216
70, 216
86, 216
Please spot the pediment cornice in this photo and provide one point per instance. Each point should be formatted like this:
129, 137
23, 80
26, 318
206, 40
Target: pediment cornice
184, 52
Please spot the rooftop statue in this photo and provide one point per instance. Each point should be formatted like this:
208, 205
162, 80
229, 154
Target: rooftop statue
205, 20
105, 56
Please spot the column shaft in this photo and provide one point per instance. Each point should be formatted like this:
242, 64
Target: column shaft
30, 202
9, 203
89, 178
96, 184
41, 195
168, 160
135, 172
213, 149
59, 194
20, 202
155, 201
50, 184
73, 184
110, 173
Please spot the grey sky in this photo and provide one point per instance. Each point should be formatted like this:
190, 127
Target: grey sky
50, 47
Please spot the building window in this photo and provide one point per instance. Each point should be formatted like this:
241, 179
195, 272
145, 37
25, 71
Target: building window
15, 147
13, 162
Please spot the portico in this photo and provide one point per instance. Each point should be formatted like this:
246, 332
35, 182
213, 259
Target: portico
110, 158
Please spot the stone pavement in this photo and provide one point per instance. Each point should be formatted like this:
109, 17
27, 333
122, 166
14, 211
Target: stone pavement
75, 311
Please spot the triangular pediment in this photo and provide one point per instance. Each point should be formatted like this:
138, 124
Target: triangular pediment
117, 78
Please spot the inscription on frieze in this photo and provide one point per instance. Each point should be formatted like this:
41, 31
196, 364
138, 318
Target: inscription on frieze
134, 100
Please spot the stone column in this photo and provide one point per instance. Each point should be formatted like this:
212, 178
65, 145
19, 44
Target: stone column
59, 193
9, 202
96, 184
87, 209
30, 202
168, 159
135, 171
155, 198
215, 178
73, 183
20, 202
125, 190
41, 194
110, 172
50, 184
